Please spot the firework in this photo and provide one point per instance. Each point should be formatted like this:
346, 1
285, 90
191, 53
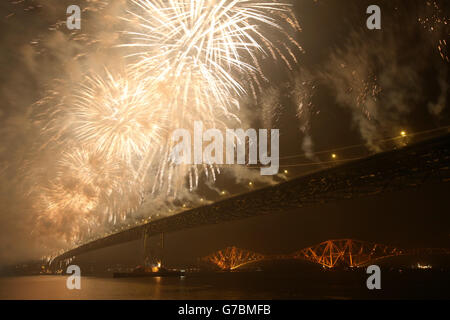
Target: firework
201, 57
186, 61
116, 117
87, 187
201, 51
437, 24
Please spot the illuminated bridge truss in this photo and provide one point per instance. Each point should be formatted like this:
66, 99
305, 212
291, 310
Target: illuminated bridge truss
347, 252
233, 258
329, 254
427, 162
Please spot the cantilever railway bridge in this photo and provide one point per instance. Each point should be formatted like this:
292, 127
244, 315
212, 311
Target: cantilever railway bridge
426, 162
329, 254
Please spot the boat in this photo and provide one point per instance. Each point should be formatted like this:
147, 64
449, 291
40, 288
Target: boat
145, 273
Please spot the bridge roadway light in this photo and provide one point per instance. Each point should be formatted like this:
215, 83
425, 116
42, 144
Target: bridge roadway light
403, 133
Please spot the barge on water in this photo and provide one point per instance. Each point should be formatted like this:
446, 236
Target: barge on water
145, 273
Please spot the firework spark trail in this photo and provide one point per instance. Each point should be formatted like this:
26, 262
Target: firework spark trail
437, 23
199, 54
199, 51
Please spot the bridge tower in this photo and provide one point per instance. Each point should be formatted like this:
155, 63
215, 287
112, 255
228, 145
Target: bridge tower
153, 249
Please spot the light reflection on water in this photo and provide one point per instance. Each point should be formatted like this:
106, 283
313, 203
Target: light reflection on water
213, 287
230, 286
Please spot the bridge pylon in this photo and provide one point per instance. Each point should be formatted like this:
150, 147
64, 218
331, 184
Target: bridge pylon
153, 249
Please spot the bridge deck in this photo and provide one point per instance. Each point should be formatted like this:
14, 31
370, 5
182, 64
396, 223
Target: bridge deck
412, 166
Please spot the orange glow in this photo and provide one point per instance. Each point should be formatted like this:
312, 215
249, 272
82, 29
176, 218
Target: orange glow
155, 269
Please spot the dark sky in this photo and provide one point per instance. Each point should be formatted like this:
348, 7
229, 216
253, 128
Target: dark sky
344, 63
354, 86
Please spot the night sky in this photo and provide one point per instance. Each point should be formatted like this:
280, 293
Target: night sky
351, 86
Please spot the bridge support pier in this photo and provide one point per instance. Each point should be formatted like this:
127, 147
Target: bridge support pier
153, 249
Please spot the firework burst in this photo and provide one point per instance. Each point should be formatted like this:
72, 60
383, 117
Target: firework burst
116, 117
203, 50
185, 61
